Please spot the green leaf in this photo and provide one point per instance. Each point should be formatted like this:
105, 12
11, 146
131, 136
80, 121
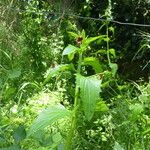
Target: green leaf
101, 51
83, 34
55, 71
47, 117
117, 146
90, 88
92, 39
73, 34
114, 68
94, 63
19, 134
6, 54
146, 131
112, 29
101, 107
57, 137
136, 110
70, 49
14, 73
112, 51
71, 56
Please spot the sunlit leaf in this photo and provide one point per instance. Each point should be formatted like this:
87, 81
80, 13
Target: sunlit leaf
90, 88
55, 71
117, 146
94, 63
70, 49
71, 56
73, 34
101, 107
92, 39
112, 51
47, 117
83, 34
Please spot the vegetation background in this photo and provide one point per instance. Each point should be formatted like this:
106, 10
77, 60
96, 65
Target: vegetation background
84, 64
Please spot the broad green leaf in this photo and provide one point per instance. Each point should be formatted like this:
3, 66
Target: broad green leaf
55, 71
114, 68
70, 49
19, 134
71, 56
94, 63
117, 146
47, 117
92, 39
14, 73
90, 88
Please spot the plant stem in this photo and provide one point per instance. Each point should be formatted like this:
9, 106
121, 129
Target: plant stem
69, 141
107, 33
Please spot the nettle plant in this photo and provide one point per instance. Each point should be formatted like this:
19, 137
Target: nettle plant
87, 90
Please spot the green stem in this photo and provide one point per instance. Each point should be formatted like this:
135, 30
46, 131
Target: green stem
68, 145
107, 34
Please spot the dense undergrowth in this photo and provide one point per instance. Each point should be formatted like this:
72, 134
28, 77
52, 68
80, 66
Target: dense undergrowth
64, 85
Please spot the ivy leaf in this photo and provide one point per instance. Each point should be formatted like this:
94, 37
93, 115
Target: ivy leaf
70, 49
47, 117
90, 88
94, 63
